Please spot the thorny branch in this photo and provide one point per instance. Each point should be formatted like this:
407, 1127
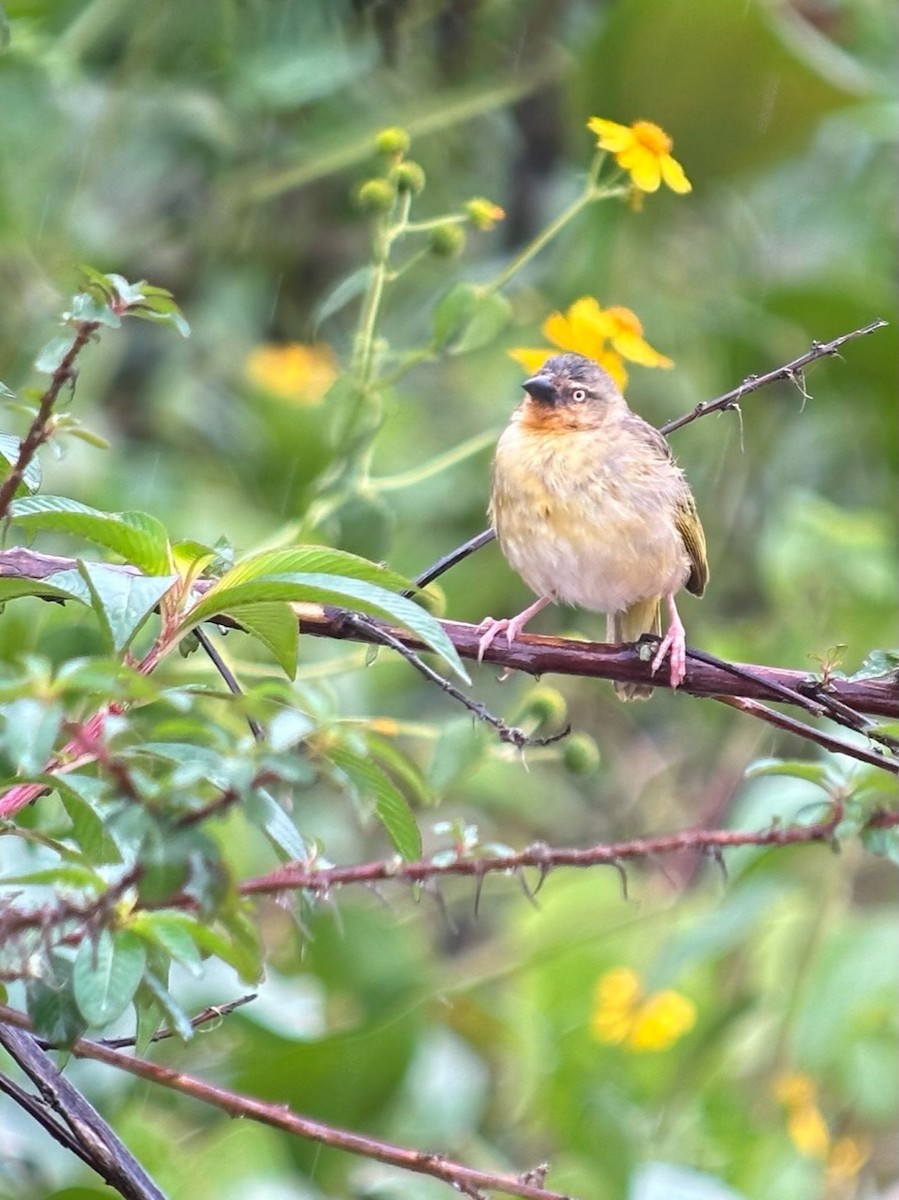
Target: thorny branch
467, 1180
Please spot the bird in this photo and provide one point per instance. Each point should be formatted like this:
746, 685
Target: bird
590, 509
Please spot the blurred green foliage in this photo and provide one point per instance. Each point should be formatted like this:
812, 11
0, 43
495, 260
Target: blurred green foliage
217, 150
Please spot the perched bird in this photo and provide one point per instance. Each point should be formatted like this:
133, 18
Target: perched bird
590, 509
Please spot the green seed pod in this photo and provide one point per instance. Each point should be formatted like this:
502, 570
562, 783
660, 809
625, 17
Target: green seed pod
580, 754
546, 706
408, 176
447, 240
375, 195
392, 141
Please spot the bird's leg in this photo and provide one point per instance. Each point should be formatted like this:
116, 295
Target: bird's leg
674, 643
513, 626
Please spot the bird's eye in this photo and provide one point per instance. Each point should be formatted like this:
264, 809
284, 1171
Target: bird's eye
578, 395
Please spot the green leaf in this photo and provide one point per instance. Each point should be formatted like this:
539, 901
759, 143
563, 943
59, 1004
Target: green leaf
52, 353
408, 774
178, 1020
390, 805
796, 768
329, 589
123, 601
28, 733
880, 664
453, 311
79, 796
51, 1004
311, 558
262, 809
9, 449
172, 932
341, 295
139, 538
275, 625
70, 874
13, 589
106, 974
490, 314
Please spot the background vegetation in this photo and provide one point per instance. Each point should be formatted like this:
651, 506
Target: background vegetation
216, 150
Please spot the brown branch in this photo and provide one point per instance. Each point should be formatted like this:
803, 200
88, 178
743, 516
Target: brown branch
462, 1178
66, 1115
543, 858
40, 428
791, 371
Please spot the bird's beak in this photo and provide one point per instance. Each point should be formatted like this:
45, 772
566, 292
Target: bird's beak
541, 387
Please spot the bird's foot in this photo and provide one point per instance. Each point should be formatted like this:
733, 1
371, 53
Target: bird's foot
674, 646
489, 628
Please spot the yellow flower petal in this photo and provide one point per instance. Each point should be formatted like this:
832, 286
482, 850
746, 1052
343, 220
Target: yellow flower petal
292, 372
611, 362
795, 1090
611, 136
642, 166
617, 988
673, 175
652, 137
637, 350
531, 360
611, 1026
808, 1131
665, 1017
846, 1158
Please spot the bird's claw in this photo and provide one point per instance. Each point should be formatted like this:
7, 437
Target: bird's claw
488, 629
673, 644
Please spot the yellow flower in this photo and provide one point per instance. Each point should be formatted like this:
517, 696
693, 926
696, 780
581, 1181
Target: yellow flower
293, 372
608, 335
847, 1157
623, 1014
644, 151
483, 214
808, 1131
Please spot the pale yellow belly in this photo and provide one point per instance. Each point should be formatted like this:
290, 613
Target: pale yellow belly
599, 542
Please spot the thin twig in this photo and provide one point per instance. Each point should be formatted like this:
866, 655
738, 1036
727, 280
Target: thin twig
507, 733
39, 430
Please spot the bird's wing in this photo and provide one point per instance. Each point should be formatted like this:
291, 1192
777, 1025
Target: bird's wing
686, 518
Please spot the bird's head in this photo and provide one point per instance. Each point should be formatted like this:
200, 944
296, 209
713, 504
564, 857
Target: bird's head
572, 390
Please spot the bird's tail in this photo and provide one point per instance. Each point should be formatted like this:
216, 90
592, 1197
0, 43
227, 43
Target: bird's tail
629, 626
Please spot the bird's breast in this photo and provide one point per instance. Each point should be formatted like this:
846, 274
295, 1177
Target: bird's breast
588, 518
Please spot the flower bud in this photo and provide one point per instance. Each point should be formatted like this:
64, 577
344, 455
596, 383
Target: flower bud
392, 141
375, 195
408, 177
447, 240
482, 213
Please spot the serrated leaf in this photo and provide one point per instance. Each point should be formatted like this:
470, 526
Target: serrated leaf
13, 589
390, 805
139, 538
106, 974
9, 449
276, 626
123, 601
313, 588
311, 558
345, 291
